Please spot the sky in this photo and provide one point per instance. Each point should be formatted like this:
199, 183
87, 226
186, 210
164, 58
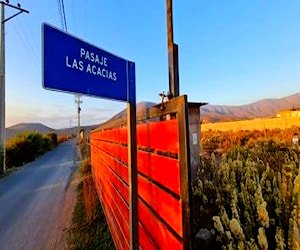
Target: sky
230, 53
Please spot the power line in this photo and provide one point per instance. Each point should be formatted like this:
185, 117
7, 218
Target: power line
74, 19
62, 14
36, 43
85, 17
26, 42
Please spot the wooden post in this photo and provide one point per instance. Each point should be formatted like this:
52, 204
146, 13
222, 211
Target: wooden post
185, 173
172, 54
194, 136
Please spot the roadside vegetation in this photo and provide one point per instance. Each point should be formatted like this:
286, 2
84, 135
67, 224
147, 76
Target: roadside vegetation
89, 228
27, 146
247, 192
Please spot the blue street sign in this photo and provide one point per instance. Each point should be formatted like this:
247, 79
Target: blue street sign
72, 65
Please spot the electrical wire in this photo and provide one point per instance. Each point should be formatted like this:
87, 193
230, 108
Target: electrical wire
85, 17
36, 43
27, 45
73, 13
62, 14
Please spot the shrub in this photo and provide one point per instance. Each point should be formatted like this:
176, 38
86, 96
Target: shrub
25, 147
249, 196
53, 138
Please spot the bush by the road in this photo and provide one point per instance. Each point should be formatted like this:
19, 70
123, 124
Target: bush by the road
27, 146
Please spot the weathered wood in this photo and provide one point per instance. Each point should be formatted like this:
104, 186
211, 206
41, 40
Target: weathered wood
172, 53
184, 159
194, 138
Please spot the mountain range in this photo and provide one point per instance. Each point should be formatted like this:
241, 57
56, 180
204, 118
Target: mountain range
12, 131
265, 108
22, 127
209, 113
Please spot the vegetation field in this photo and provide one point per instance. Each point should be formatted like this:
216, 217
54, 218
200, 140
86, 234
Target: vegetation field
254, 124
247, 191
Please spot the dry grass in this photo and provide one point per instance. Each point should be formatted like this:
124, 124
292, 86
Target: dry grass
89, 230
84, 150
260, 124
85, 167
90, 198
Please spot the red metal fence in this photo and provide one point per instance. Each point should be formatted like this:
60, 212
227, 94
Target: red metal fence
163, 177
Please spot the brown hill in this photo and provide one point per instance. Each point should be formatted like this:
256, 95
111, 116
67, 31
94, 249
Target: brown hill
24, 127
260, 109
139, 106
41, 128
209, 113
14, 130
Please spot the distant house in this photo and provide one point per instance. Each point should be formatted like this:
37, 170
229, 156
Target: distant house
288, 113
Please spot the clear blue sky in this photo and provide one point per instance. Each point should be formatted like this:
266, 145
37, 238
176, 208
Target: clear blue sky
230, 53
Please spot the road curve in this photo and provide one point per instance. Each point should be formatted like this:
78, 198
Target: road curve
31, 199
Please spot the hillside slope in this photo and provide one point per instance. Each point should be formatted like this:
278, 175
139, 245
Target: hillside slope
23, 127
260, 109
139, 106
12, 131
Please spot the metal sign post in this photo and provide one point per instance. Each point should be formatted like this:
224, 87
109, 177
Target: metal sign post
132, 159
74, 66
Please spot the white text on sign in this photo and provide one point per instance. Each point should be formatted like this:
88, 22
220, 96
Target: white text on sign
91, 63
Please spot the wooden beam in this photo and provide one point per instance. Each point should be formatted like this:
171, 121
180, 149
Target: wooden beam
172, 53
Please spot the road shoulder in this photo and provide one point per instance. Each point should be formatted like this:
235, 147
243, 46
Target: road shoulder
58, 238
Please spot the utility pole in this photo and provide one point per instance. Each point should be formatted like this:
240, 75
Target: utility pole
172, 54
2, 74
78, 101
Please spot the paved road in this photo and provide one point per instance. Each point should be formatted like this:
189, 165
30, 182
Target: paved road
31, 199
